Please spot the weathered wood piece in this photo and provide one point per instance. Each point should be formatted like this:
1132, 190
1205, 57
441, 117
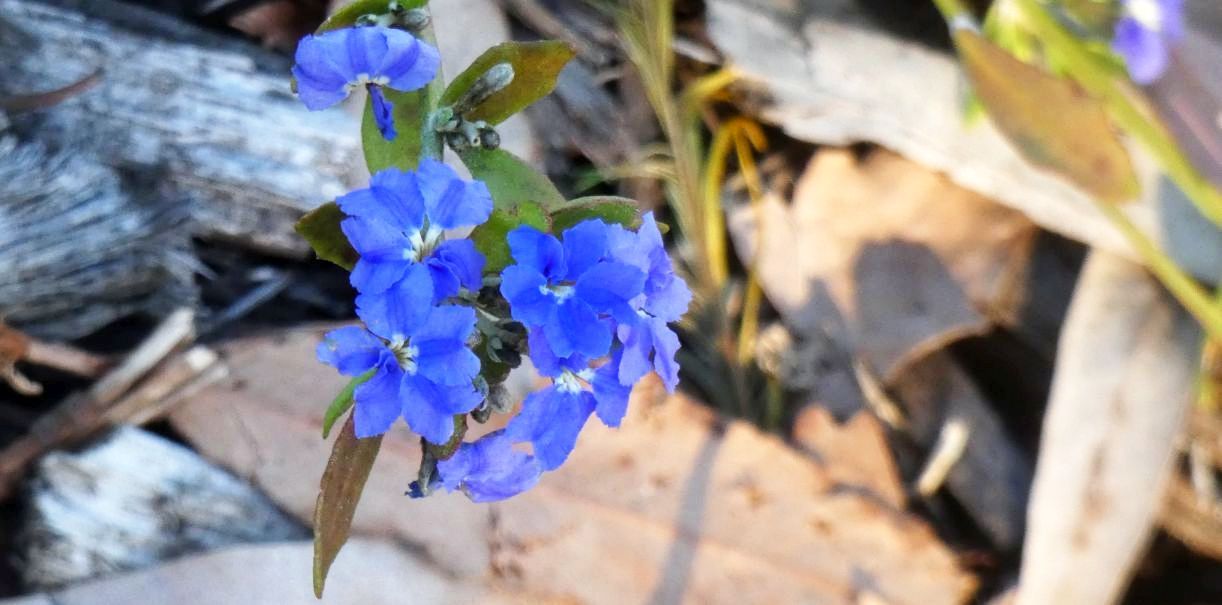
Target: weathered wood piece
1124, 380
133, 500
77, 250
828, 72
195, 118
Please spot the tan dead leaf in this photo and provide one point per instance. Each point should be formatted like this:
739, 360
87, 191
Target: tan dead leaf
674, 506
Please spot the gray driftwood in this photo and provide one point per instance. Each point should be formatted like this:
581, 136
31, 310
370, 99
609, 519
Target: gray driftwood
77, 251
199, 120
130, 501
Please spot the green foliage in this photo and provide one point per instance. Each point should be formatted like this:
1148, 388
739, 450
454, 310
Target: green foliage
535, 66
342, 403
341, 487
510, 179
610, 209
320, 227
410, 111
489, 237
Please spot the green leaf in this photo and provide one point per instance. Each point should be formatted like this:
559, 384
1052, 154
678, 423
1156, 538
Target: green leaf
1052, 122
410, 111
341, 487
609, 208
342, 402
348, 15
490, 237
535, 67
510, 179
320, 228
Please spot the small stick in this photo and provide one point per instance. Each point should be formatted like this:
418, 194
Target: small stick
80, 414
952, 441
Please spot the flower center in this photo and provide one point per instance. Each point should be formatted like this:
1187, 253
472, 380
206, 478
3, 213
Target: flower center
572, 382
422, 243
1146, 12
405, 354
562, 292
365, 80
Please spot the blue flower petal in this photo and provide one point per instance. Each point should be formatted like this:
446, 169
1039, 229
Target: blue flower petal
584, 245
402, 309
423, 405
608, 286
489, 469
351, 350
609, 393
524, 288
545, 360
638, 347
1144, 51
455, 263
575, 328
447, 322
539, 251
551, 420
409, 64
321, 70
450, 201
392, 198
665, 348
383, 113
670, 300
377, 400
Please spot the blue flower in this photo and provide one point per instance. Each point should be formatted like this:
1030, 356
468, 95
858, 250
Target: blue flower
424, 370
489, 469
400, 221
329, 65
650, 343
567, 289
1144, 34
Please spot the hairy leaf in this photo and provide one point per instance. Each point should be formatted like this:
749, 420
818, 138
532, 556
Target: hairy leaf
320, 228
510, 179
610, 209
348, 15
490, 237
342, 402
342, 483
1049, 119
535, 66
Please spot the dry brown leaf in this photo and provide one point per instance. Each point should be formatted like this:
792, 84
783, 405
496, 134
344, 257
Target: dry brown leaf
1123, 382
674, 506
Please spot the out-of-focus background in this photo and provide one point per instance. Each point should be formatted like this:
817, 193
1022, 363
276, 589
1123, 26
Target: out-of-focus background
901, 325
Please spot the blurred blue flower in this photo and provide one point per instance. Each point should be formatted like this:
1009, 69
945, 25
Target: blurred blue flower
400, 221
424, 368
566, 289
552, 418
1145, 33
329, 65
650, 343
489, 469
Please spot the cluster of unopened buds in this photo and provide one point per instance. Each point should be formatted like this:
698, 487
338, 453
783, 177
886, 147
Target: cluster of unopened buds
591, 308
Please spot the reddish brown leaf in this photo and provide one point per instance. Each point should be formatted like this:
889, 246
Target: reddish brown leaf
340, 491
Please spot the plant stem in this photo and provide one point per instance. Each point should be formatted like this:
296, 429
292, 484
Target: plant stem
1191, 294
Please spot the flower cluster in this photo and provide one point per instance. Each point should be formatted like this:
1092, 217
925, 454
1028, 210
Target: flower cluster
591, 308
1145, 33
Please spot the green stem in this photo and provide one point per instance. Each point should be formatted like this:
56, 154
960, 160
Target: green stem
432, 145
1182, 286
1120, 100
